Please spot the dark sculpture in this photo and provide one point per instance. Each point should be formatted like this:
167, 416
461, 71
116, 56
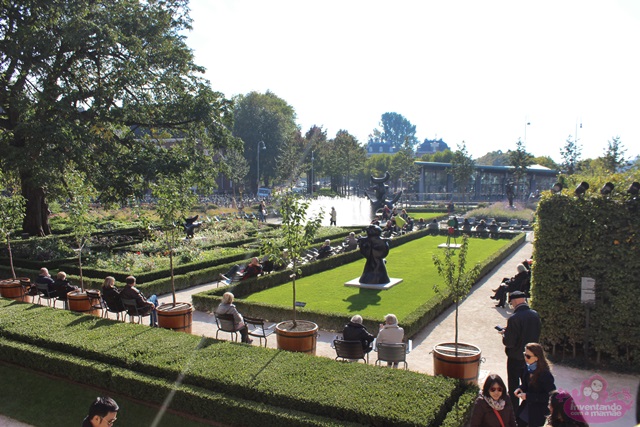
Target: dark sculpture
379, 193
190, 225
374, 248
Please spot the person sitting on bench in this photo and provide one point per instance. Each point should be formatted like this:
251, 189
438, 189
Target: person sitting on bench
508, 285
325, 250
355, 331
252, 269
227, 307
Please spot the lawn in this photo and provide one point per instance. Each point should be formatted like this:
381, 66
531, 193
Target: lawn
412, 262
46, 401
428, 216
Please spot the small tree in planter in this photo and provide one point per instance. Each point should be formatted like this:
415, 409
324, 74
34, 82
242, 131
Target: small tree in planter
80, 194
298, 232
12, 207
174, 200
458, 282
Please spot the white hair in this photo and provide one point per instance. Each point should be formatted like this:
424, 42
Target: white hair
357, 319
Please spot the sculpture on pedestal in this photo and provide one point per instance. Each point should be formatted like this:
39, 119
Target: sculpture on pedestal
374, 248
190, 225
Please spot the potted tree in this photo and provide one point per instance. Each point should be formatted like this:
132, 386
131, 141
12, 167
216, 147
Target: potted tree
298, 232
11, 215
80, 195
456, 360
174, 200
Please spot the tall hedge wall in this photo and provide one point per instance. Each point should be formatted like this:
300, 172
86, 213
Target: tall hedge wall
591, 236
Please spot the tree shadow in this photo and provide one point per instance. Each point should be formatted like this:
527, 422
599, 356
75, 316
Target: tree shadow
363, 299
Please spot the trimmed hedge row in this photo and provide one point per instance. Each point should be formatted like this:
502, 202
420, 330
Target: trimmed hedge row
220, 376
597, 237
412, 324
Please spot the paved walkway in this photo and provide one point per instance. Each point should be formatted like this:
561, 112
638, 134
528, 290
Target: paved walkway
477, 318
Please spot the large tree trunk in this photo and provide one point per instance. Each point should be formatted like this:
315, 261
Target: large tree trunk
36, 219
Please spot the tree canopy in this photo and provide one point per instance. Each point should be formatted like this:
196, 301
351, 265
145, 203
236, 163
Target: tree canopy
263, 117
107, 88
395, 130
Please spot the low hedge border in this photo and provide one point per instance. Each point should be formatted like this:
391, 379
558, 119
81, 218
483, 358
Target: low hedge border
355, 393
331, 321
461, 411
189, 400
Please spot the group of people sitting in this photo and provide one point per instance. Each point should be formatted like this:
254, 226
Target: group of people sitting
389, 333
58, 288
521, 282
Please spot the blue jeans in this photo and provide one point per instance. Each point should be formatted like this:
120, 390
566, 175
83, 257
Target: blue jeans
153, 319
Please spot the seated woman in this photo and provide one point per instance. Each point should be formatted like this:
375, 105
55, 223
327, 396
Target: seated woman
325, 250
434, 226
111, 294
493, 403
421, 224
351, 242
481, 228
516, 283
466, 226
62, 286
390, 333
253, 269
355, 331
493, 229
227, 307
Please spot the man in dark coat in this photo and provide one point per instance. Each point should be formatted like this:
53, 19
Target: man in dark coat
523, 327
355, 331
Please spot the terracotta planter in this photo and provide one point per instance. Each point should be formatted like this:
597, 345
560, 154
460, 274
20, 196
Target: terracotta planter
178, 317
465, 365
79, 301
301, 339
16, 289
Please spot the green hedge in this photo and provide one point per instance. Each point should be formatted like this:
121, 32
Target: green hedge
412, 324
243, 382
597, 237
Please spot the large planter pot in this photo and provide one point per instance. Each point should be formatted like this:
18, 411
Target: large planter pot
178, 317
301, 339
16, 289
81, 302
465, 365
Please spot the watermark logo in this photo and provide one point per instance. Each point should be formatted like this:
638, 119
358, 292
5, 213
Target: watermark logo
596, 403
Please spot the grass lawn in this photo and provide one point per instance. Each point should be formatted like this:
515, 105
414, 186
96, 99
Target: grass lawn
428, 216
412, 262
43, 402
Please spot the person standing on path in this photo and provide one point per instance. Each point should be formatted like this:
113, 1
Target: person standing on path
522, 328
332, 221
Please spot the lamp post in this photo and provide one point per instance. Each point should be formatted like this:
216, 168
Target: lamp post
311, 173
259, 147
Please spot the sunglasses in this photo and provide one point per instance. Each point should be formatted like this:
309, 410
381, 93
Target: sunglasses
110, 422
527, 356
494, 389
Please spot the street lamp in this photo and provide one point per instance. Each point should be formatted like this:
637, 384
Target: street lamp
259, 147
311, 173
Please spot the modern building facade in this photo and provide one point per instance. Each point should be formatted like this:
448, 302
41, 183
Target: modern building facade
488, 183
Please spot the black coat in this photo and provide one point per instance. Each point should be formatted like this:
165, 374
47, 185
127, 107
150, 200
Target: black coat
484, 416
523, 327
537, 402
357, 332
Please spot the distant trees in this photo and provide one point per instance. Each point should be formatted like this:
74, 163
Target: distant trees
395, 130
343, 158
263, 117
402, 167
520, 159
570, 153
462, 168
614, 155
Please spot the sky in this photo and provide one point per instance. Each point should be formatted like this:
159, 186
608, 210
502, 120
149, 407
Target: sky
484, 72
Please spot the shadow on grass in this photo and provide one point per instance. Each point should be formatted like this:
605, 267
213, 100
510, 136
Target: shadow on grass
363, 299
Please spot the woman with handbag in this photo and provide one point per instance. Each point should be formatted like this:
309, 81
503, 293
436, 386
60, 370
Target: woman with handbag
493, 406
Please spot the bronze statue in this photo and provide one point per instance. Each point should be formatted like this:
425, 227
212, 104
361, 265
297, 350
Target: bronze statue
190, 225
374, 248
379, 193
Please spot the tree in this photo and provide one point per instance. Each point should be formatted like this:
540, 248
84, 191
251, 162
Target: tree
298, 232
395, 130
520, 160
342, 157
80, 194
403, 166
462, 168
97, 86
263, 117
570, 153
457, 279
236, 168
494, 158
614, 155
174, 200
545, 161
11, 214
